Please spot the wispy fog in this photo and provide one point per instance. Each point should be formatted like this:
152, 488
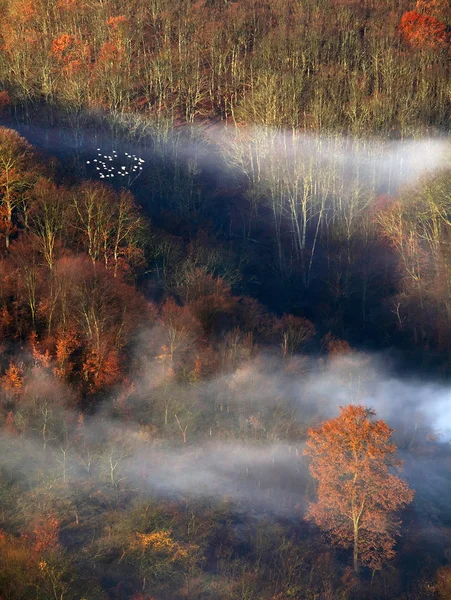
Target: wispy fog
352, 164
267, 474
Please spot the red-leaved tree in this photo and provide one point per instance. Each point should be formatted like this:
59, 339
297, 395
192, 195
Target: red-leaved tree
422, 31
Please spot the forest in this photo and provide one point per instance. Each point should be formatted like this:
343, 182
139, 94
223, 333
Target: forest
225, 300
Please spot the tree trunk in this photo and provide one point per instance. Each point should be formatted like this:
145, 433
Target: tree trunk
356, 548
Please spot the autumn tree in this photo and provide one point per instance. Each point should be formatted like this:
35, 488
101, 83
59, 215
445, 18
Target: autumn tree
180, 330
416, 226
108, 226
159, 555
89, 318
17, 173
107, 313
211, 299
12, 383
422, 31
352, 458
294, 333
26, 280
71, 58
21, 44
46, 217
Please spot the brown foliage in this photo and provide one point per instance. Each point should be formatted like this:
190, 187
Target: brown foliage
443, 584
18, 566
208, 297
440, 9
23, 10
254, 318
181, 330
334, 346
294, 333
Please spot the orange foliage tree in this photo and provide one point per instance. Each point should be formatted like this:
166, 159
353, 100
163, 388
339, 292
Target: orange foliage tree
71, 56
160, 556
352, 457
422, 31
66, 343
12, 382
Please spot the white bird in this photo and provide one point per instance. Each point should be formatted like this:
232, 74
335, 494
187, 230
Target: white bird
88, 162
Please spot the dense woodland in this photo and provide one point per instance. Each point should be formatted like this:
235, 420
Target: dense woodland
219, 222
372, 66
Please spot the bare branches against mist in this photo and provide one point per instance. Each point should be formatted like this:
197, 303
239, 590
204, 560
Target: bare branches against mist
246, 431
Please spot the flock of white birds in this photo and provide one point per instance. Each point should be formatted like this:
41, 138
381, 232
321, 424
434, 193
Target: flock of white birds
108, 165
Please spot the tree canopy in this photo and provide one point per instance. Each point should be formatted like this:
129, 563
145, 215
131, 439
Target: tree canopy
352, 457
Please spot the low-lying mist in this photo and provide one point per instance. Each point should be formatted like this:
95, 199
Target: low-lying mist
351, 164
255, 461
